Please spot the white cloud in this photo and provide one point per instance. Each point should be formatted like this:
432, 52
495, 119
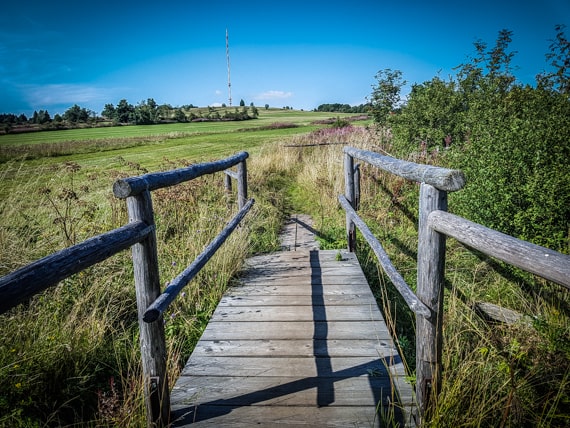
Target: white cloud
274, 95
54, 94
218, 92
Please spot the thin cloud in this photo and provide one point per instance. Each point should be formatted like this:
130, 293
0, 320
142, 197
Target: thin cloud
274, 95
57, 94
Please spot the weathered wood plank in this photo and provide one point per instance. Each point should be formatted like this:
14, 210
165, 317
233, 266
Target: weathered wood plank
293, 391
236, 300
295, 338
285, 366
297, 313
297, 330
295, 347
282, 416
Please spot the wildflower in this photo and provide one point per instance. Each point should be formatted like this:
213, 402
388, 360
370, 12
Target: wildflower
18, 385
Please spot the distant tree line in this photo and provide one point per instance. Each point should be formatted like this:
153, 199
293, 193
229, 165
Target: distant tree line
344, 108
124, 113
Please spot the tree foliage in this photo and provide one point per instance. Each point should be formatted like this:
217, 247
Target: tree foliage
511, 140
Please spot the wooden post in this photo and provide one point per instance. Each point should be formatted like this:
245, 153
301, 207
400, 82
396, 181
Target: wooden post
349, 193
242, 184
357, 187
228, 183
152, 340
431, 264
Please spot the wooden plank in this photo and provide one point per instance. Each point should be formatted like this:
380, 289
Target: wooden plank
282, 416
297, 330
292, 391
285, 366
295, 347
298, 313
345, 280
298, 342
237, 300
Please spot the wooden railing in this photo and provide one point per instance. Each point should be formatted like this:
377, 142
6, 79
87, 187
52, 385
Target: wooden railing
140, 235
435, 223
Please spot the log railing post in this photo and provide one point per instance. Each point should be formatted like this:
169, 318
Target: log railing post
349, 192
152, 340
356, 187
431, 264
242, 184
228, 183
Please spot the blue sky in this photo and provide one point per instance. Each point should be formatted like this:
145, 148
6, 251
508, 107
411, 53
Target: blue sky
293, 53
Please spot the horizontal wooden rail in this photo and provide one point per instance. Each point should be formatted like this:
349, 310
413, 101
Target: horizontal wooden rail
232, 174
449, 180
23, 283
532, 258
406, 292
157, 308
134, 185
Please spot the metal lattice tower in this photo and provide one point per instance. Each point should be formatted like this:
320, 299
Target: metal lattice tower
228, 59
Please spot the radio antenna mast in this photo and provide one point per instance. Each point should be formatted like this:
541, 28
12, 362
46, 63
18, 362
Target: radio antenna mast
228, 59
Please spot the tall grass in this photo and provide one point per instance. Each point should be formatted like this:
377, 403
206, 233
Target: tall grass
70, 356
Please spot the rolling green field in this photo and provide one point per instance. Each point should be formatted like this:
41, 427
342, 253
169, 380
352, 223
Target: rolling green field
70, 356
100, 150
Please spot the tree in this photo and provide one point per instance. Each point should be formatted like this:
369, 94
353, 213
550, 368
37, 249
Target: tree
125, 112
76, 114
242, 103
109, 112
266, 106
385, 98
559, 58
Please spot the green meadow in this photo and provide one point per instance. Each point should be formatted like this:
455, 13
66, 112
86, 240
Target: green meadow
70, 356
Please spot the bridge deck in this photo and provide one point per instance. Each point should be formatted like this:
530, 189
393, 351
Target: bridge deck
300, 341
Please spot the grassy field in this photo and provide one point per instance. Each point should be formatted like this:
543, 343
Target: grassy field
70, 356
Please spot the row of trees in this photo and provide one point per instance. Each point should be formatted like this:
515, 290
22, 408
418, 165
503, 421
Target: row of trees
344, 108
145, 112
511, 140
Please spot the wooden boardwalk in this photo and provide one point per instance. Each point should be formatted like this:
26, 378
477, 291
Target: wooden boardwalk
298, 342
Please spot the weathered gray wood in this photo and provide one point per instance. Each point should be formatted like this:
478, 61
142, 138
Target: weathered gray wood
271, 299
295, 348
246, 367
498, 314
23, 283
349, 192
280, 416
281, 330
299, 355
242, 184
232, 174
431, 265
441, 178
134, 185
533, 258
405, 291
157, 308
152, 340
298, 313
